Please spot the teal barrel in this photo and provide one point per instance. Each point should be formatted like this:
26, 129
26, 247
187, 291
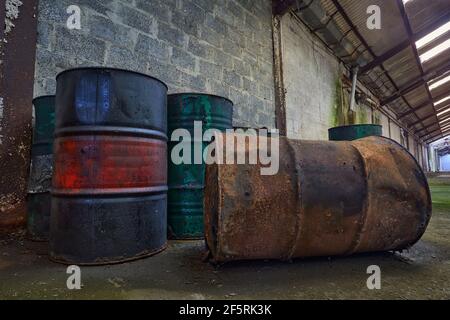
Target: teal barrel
40, 179
186, 181
354, 132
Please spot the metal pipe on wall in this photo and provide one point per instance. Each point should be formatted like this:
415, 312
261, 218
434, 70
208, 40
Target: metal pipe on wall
353, 92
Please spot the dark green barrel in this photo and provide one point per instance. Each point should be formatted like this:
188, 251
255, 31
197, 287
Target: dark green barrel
353, 132
186, 181
39, 184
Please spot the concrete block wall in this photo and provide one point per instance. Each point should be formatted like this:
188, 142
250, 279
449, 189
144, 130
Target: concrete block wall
310, 74
221, 47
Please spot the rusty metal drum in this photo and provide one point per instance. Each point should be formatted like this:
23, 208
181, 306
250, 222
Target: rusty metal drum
327, 199
186, 181
40, 178
109, 195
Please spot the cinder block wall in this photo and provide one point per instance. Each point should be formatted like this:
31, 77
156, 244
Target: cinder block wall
221, 47
310, 74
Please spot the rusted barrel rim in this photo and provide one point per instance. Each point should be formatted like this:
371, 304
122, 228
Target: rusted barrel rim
425, 180
359, 125
99, 68
200, 94
110, 130
139, 256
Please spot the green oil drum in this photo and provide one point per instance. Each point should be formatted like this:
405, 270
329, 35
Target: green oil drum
353, 132
186, 181
40, 179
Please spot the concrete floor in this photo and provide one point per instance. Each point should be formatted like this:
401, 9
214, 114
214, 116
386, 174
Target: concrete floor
179, 273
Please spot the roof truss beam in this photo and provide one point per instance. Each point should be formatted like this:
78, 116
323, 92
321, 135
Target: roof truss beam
428, 117
366, 45
429, 76
423, 105
437, 136
405, 44
409, 32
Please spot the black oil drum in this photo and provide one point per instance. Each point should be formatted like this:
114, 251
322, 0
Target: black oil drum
109, 195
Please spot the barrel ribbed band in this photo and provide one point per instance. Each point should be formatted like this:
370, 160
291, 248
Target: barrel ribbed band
108, 164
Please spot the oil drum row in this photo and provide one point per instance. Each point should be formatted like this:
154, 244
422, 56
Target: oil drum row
40, 178
117, 190
110, 182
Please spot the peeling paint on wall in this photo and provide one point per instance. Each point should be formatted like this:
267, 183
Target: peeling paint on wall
338, 115
12, 13
361, 116
341, 113
377, 117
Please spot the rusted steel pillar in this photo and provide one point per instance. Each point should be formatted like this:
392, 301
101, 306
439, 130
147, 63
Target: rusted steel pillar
280, 92
16, 94
328, 198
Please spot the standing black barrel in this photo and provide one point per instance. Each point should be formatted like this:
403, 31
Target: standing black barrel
109, 196
40, 179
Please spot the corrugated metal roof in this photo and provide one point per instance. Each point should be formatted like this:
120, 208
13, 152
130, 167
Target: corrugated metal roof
398, 72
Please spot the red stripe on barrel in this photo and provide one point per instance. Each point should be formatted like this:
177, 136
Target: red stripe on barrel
109, 164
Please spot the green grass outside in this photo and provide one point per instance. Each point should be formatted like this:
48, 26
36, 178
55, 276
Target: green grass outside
440, 193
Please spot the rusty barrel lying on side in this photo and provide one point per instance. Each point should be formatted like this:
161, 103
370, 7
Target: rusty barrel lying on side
186, 180
109, 196
328, 198
40, 179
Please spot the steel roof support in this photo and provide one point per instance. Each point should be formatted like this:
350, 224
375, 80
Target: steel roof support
408, 28
364, 42
405, 44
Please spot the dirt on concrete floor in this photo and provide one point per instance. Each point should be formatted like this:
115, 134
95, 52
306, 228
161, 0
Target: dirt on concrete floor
423, 272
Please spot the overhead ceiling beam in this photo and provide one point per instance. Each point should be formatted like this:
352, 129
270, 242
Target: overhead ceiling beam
405, 44
427, 127
409, 32
430, 133
407, 113
432, 124
366, 45
385, 56
280, 7
429, 117
438, 136
432, 74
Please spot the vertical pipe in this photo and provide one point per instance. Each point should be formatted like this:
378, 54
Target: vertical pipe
353, 93
280, 94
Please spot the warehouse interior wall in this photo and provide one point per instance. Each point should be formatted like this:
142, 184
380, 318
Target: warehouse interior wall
215, 47
221, 47
317, 90
311, 76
